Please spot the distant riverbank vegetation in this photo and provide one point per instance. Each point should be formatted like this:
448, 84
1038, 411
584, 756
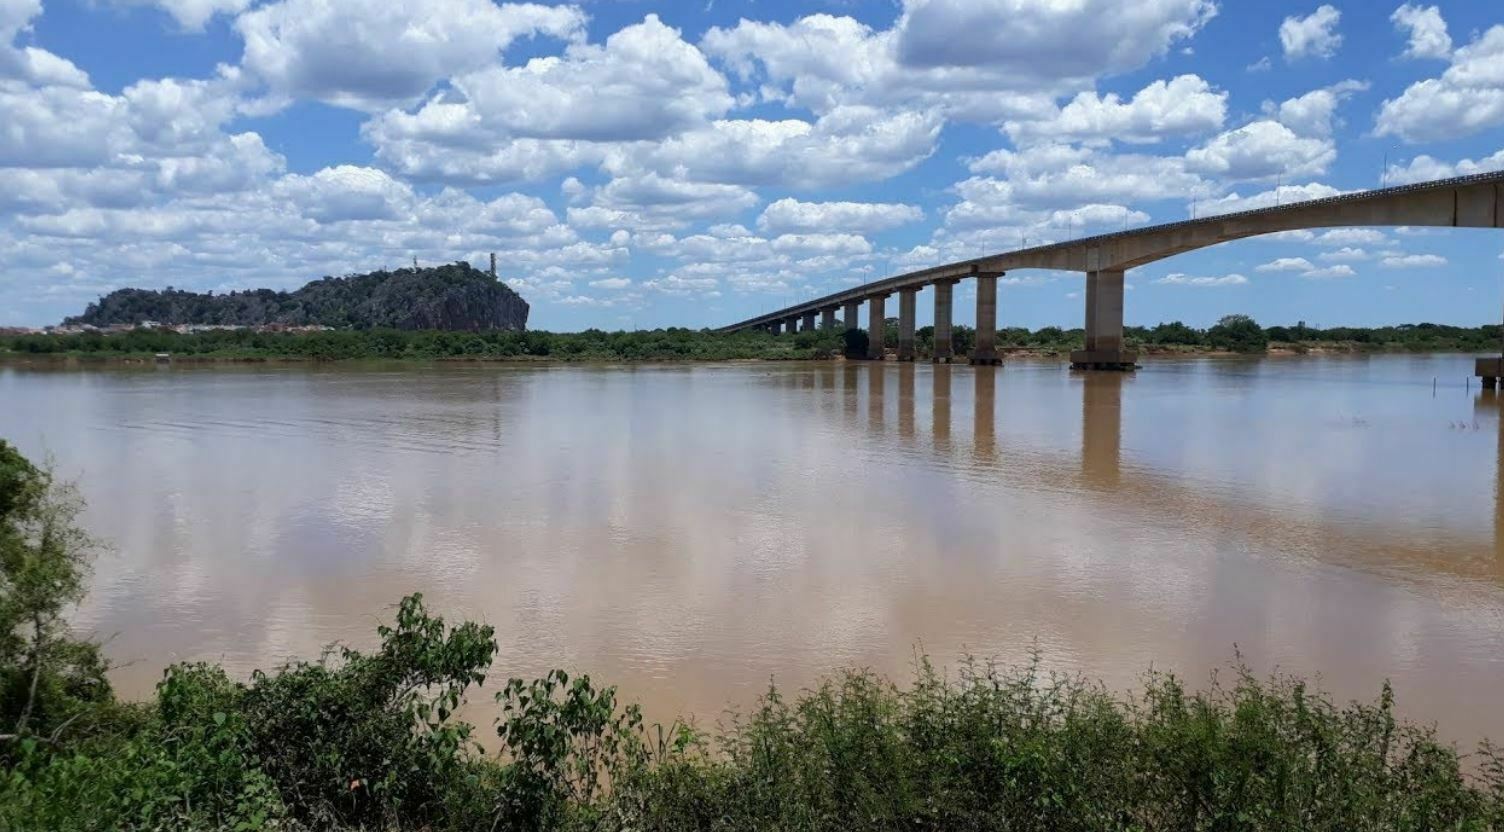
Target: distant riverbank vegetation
1234, 333
369, 739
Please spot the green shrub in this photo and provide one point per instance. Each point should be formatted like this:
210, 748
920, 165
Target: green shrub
367, 739
1238, 333
854, 343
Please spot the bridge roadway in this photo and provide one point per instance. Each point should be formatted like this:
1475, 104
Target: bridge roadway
1462, 202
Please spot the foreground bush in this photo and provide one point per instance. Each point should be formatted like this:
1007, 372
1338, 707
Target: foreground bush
321, 747
1016, 749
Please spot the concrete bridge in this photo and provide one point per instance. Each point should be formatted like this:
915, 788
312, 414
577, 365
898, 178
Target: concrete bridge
1463, 202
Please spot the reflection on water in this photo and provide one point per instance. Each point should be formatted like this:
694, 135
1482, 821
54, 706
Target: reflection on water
690, 532
940, 409
1487, 408
984, 403
1102, 428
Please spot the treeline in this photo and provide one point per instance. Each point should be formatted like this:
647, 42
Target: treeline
455, 296
1234, 333
369, 739
590, 345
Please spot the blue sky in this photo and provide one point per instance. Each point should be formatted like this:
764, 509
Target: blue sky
638, 164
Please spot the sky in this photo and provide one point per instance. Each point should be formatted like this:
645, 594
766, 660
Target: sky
640, 164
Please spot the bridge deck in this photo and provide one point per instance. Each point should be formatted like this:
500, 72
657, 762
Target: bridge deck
1078, 249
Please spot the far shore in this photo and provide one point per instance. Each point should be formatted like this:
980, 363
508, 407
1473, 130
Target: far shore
1151, 352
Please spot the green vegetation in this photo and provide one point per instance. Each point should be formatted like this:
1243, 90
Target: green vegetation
1234, 333
452, 297
590, 345
370, 740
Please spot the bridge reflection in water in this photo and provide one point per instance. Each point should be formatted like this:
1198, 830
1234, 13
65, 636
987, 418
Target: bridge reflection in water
1488, 408
895, 393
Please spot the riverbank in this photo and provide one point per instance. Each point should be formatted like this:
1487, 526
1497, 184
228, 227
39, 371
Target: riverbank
84, 359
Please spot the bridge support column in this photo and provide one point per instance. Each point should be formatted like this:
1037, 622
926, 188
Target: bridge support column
809, 322
944, 290
1104, 325
906, 303
850, 315
776, 327
1489, 370
876, 332
828, 318
985, 351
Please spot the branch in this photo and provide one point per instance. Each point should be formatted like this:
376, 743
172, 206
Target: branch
36, 673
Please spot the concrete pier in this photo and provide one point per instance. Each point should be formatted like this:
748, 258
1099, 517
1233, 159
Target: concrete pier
809, 322
906, 303
828, 318
985, 351
776, 327
876, 331
944, 294
1104, 325
851, 315
1490, 370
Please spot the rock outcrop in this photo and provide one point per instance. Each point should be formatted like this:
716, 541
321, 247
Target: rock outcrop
454, 297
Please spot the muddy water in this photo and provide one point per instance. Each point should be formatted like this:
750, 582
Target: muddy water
690, 532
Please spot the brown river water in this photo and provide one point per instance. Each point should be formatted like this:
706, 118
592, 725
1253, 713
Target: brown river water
691, 532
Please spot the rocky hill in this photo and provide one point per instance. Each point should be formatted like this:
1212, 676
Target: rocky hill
455, 297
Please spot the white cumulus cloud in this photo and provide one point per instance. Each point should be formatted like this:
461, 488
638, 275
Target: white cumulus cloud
1413, 261
1287, 264
1427, 30
1467, 98
1313, 114
1046, 38
191, 15
791, 215
1328, 272
1185, 104
365, 53
1313, 35
1425, 168
1262, 150
1178, 279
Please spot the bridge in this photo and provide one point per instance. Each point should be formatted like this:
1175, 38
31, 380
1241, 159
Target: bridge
1463, 202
